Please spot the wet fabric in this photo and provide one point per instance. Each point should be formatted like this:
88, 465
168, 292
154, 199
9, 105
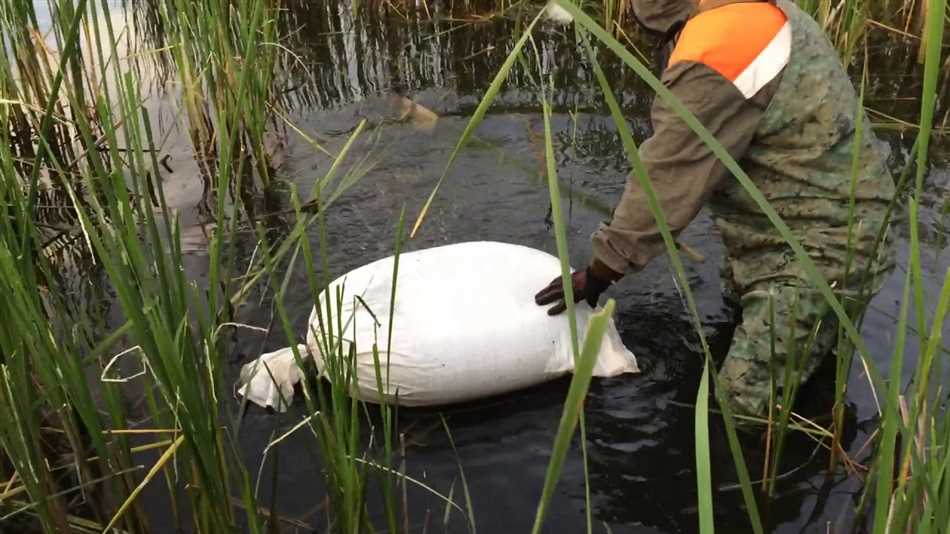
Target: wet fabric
783, 329
795, 138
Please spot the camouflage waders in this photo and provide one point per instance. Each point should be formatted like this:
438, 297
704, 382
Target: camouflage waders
765, 81
801, 161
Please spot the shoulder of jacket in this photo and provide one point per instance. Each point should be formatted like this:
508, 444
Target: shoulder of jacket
747, 43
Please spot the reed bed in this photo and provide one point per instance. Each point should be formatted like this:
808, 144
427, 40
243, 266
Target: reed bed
81, 198
92, 412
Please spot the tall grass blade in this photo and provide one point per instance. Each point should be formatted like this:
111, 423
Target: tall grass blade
470, 510
573, 406
639, 172
69, 49
891, 421
703, 463
477, 117
560, 232
933, 40
560, 229
159, 465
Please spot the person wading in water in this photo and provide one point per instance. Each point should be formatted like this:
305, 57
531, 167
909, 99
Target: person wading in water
765, 80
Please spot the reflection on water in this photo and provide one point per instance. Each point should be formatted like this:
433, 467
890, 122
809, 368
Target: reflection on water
375, 67
640, 429
348, 59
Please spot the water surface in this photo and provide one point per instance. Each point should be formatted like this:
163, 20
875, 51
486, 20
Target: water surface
640, 428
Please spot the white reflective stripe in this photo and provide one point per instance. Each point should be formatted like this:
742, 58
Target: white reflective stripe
767, 65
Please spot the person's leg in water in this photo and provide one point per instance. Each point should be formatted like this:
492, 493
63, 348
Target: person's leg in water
784, 329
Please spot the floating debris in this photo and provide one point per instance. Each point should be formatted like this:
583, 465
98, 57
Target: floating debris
421, 117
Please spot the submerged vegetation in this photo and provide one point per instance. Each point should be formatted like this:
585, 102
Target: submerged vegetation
100, 408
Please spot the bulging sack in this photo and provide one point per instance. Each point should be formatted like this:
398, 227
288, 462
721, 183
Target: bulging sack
465, 326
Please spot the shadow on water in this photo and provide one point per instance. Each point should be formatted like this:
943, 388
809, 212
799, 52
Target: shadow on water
380, 67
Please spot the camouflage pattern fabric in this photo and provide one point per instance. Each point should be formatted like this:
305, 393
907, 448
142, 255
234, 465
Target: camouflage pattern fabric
802, 161
784, 329
796, 139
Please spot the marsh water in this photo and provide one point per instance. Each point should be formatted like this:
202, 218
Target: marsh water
415, 81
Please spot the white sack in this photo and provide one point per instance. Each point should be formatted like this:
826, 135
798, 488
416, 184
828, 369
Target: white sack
466, 326
269, 380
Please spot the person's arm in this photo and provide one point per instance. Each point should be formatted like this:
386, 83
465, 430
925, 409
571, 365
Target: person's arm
725, 68
682, 169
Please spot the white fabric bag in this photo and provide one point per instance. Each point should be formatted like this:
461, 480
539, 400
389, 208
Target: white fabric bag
465, 326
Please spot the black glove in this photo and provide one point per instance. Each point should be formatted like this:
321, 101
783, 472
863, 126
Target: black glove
587, 286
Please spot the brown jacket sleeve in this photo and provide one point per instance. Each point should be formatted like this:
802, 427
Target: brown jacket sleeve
682, 169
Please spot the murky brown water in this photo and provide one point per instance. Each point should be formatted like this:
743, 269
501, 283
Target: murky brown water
640, 428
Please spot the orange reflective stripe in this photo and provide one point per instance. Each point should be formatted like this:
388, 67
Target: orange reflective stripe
729, 38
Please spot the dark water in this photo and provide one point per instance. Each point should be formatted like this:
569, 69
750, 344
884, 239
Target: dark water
640, 428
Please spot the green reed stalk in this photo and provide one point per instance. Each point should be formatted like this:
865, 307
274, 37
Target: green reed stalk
588, 509
382, 384
573, 405
61, 368
560, 232
919, 491
69, 44
703, 471
335, 413
334, 420
108, 178
934, 29
703, 464
844, 352
798, 358
468, 497
919, 458
477, 116
884, 464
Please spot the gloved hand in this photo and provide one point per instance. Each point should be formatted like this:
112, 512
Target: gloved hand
588, 285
